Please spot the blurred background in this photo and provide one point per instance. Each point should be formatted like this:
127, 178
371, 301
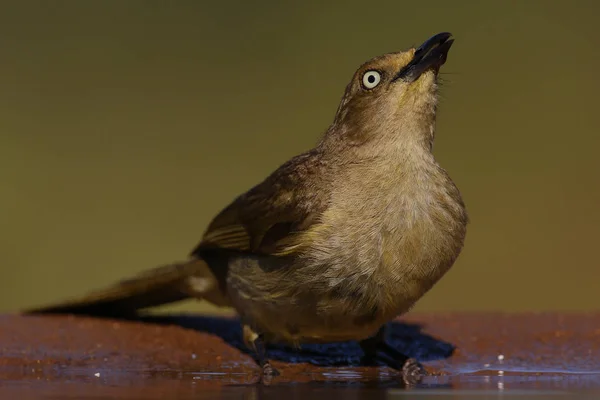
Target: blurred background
126, 126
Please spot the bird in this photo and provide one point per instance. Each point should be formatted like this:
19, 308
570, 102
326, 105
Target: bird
339, 240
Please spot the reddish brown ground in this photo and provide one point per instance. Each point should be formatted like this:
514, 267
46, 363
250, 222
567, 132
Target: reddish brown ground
66, 355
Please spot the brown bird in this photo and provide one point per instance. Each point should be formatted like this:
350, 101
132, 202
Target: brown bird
337, 241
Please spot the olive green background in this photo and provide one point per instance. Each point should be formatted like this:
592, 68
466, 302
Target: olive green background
126, 125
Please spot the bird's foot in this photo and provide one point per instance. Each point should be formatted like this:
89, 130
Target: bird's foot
269, 370
412, 372
268, 373
255, 341
377, 348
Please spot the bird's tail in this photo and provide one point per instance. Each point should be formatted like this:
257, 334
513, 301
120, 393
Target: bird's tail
161, 285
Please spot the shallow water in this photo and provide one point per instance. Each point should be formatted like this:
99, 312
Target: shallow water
344, 383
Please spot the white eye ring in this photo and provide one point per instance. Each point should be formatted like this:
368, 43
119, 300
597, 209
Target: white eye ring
371, 79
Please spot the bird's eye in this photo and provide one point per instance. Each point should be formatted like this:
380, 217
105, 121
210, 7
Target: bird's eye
371, 79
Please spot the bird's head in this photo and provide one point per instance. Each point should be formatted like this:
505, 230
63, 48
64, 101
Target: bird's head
392, 99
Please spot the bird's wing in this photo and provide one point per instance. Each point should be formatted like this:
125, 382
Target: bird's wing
275, 216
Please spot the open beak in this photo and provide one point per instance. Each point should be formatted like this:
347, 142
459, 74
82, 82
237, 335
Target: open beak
431, 55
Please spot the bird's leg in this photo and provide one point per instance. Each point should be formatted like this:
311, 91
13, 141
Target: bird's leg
412, 371
255, 341
369, 348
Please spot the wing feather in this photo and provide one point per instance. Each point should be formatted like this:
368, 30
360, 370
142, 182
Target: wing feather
272, 217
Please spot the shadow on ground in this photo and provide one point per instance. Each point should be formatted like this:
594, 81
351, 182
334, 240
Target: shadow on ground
407, 338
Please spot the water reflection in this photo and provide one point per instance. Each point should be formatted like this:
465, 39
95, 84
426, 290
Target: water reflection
332, 385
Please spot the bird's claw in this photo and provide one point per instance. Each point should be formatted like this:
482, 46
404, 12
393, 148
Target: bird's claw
268, 373
269, 370
412, 371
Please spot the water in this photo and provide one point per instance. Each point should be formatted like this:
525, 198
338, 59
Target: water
336, 384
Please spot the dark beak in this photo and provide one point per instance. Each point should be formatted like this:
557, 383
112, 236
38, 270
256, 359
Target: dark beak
431, 55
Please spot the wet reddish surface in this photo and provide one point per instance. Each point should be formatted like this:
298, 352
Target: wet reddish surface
188, 356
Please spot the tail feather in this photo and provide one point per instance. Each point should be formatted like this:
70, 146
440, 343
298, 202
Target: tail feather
162, 285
